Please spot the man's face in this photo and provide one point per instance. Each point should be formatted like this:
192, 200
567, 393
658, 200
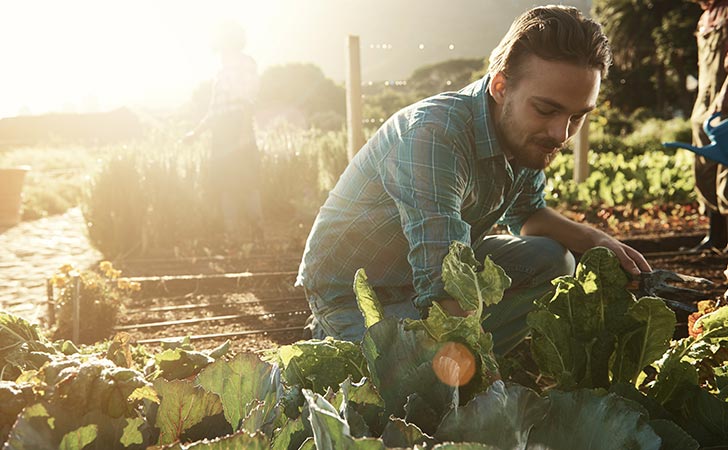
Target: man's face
537, 114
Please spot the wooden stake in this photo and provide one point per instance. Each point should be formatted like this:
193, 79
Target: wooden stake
353, 98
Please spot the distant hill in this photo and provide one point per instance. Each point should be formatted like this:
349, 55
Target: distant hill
391, 32
118, 125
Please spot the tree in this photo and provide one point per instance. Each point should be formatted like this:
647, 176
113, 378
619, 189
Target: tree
654, 50
299, 91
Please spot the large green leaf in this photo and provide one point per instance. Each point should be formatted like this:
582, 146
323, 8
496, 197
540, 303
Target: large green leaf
647, 343
34, 429
590, 420
603, 279
321, 364
363, 399
398, 433
673, 437
367, 299
674, 373
79, 438
239, 382
400, 363
13, 398
600, 271
21, 346
182, 406
179, 363
330, 431
701, 414
577, 309
554, 350
444, 328
715, 324
290, 435
471, 287
501, 417
236, 441
81, 384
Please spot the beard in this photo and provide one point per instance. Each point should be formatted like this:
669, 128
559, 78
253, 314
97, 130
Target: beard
527, 150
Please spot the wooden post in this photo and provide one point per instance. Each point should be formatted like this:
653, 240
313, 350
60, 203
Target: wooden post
581, 141
76, 308
581, 152
51, 303
353, 97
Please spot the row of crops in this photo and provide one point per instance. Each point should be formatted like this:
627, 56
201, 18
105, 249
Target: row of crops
610, 377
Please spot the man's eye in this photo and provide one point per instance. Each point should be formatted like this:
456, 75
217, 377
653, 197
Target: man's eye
544, 111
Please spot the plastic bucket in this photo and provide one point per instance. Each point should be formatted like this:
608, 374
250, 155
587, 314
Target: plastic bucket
11, 190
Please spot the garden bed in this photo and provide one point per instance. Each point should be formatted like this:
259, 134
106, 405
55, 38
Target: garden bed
223, 301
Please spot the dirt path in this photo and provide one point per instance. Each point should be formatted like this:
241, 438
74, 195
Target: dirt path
31, 252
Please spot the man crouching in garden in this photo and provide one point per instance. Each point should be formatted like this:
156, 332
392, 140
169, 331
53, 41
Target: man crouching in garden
448, 168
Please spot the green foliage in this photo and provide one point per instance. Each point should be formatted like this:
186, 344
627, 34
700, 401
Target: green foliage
579, 419
77, 399
55, 180
320, 364
617, 180
18, 340
155, 199
512, 410
182, 406
300, 89
99, 300
654, 50
366, 299
241, 384
593, 332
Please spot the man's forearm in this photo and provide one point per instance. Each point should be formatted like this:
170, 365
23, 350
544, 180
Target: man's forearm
580, 237
575, 236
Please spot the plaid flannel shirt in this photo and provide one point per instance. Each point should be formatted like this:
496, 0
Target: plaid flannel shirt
433, 173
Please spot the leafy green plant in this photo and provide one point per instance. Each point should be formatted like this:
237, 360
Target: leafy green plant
394, 393
99, 296
593, 331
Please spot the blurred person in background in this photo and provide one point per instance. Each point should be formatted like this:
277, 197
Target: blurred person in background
711, 178
234, 159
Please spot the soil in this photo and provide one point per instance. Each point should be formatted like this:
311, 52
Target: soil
274, 312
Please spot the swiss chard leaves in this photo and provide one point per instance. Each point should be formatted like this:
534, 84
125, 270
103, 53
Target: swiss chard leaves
593, 332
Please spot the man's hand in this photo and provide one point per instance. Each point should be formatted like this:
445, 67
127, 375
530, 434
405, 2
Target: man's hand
631, 260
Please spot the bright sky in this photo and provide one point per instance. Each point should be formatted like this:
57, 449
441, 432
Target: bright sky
94, 55
79, 55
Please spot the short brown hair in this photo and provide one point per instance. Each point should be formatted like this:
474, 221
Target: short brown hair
554, 33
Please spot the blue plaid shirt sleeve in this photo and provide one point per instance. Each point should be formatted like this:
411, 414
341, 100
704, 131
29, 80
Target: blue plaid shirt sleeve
426, 176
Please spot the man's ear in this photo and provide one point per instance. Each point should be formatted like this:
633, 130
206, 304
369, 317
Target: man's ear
497, 87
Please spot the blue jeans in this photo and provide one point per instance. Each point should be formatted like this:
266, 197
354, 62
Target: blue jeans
530, 261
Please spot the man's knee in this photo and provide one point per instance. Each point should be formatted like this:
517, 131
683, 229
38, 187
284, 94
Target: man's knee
558, 261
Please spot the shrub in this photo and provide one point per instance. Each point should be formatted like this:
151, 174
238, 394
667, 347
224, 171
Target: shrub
99, 299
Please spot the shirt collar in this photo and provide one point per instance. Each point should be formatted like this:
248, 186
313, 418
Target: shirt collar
486, 141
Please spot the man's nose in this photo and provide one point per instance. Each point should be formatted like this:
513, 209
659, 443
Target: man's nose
559, 129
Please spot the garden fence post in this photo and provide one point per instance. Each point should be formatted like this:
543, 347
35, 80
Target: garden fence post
51, 302
581, 152
353, 98
581, 141
76, 308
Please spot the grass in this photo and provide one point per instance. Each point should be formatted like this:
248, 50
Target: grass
56, 178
